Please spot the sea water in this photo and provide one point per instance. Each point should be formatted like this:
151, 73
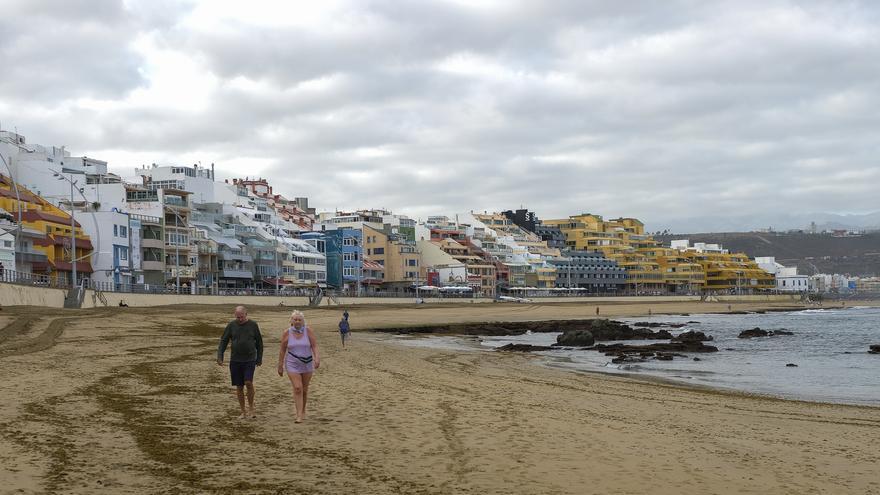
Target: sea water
829, 347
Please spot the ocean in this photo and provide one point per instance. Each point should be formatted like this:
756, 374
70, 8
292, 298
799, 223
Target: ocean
829, 347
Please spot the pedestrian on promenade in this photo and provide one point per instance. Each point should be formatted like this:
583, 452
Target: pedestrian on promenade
597, 310
247, 354
344, 330
298, 356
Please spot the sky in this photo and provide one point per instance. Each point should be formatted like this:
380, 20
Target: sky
690, 115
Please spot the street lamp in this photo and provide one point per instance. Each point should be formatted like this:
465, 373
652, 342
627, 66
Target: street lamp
72, 224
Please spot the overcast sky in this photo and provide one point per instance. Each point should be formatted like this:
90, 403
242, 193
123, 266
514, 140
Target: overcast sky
659, 110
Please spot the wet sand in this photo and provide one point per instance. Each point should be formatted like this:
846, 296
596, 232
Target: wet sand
128, 400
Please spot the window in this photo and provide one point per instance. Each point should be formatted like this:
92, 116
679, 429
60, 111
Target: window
348, 271
123, 254
379, 251
350, 256
349, 241
413, 262
123, 231
7, 243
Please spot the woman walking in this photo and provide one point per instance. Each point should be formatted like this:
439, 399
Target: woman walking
298, 355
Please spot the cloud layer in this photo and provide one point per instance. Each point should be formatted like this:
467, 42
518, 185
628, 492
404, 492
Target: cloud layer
660, 110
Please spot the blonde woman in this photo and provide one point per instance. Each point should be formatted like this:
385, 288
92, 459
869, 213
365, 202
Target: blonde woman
298, 356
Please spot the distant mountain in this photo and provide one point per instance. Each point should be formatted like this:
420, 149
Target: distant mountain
777, 222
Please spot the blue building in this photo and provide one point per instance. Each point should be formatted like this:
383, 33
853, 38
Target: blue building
344, 250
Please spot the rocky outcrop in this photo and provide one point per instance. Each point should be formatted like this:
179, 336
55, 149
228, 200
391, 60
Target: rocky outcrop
758, 332
660, 347
874, 349
576, 338
615, 330
656, 324
692, 336
524, 348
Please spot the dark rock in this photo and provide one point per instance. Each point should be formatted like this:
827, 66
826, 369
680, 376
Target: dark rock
874, 349
524, 348
625, 358
579, 337
692, 336
791, 365
655, 324
663, 356
755, 332
660, 347
697, 359
693, 323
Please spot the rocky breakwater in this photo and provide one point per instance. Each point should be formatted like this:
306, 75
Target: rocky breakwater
759, 332
494, 328
602, 329
874, 349
691, 341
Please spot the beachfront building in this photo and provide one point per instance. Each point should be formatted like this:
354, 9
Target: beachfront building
344, 248
622, 240
8, 230
45, 243
438, 268
480, 272
397, 254
590, 271
112, 263
528, 220
787, 278
294, 212
726, 273
525, 257
173, 207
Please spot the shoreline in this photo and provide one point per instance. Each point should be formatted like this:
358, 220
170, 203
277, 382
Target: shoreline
646, 377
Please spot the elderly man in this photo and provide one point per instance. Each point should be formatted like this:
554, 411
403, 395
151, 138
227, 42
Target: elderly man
247, 354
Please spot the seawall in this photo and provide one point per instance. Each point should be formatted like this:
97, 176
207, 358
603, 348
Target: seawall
23, 295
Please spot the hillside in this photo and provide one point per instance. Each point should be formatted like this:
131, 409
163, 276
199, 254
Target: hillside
812, 253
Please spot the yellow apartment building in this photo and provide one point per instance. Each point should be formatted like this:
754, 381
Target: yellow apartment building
400, 258
54, 238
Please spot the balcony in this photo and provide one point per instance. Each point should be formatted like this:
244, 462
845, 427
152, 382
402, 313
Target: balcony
152, 243
225, 273
185, 271
233, 256
31, 257
150, 266
176, 201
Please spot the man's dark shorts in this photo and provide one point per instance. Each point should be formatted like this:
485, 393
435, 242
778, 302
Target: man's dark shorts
242, 371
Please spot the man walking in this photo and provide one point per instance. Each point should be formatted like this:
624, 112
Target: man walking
247, 354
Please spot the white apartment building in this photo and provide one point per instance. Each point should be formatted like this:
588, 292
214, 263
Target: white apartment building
787, 279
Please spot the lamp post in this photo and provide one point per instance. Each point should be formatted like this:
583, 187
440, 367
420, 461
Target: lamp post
72, 182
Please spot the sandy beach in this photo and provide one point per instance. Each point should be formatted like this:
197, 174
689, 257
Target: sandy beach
128, 400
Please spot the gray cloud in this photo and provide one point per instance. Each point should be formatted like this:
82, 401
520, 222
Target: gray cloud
659, 110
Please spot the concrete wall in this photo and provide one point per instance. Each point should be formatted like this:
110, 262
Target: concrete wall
23, 295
